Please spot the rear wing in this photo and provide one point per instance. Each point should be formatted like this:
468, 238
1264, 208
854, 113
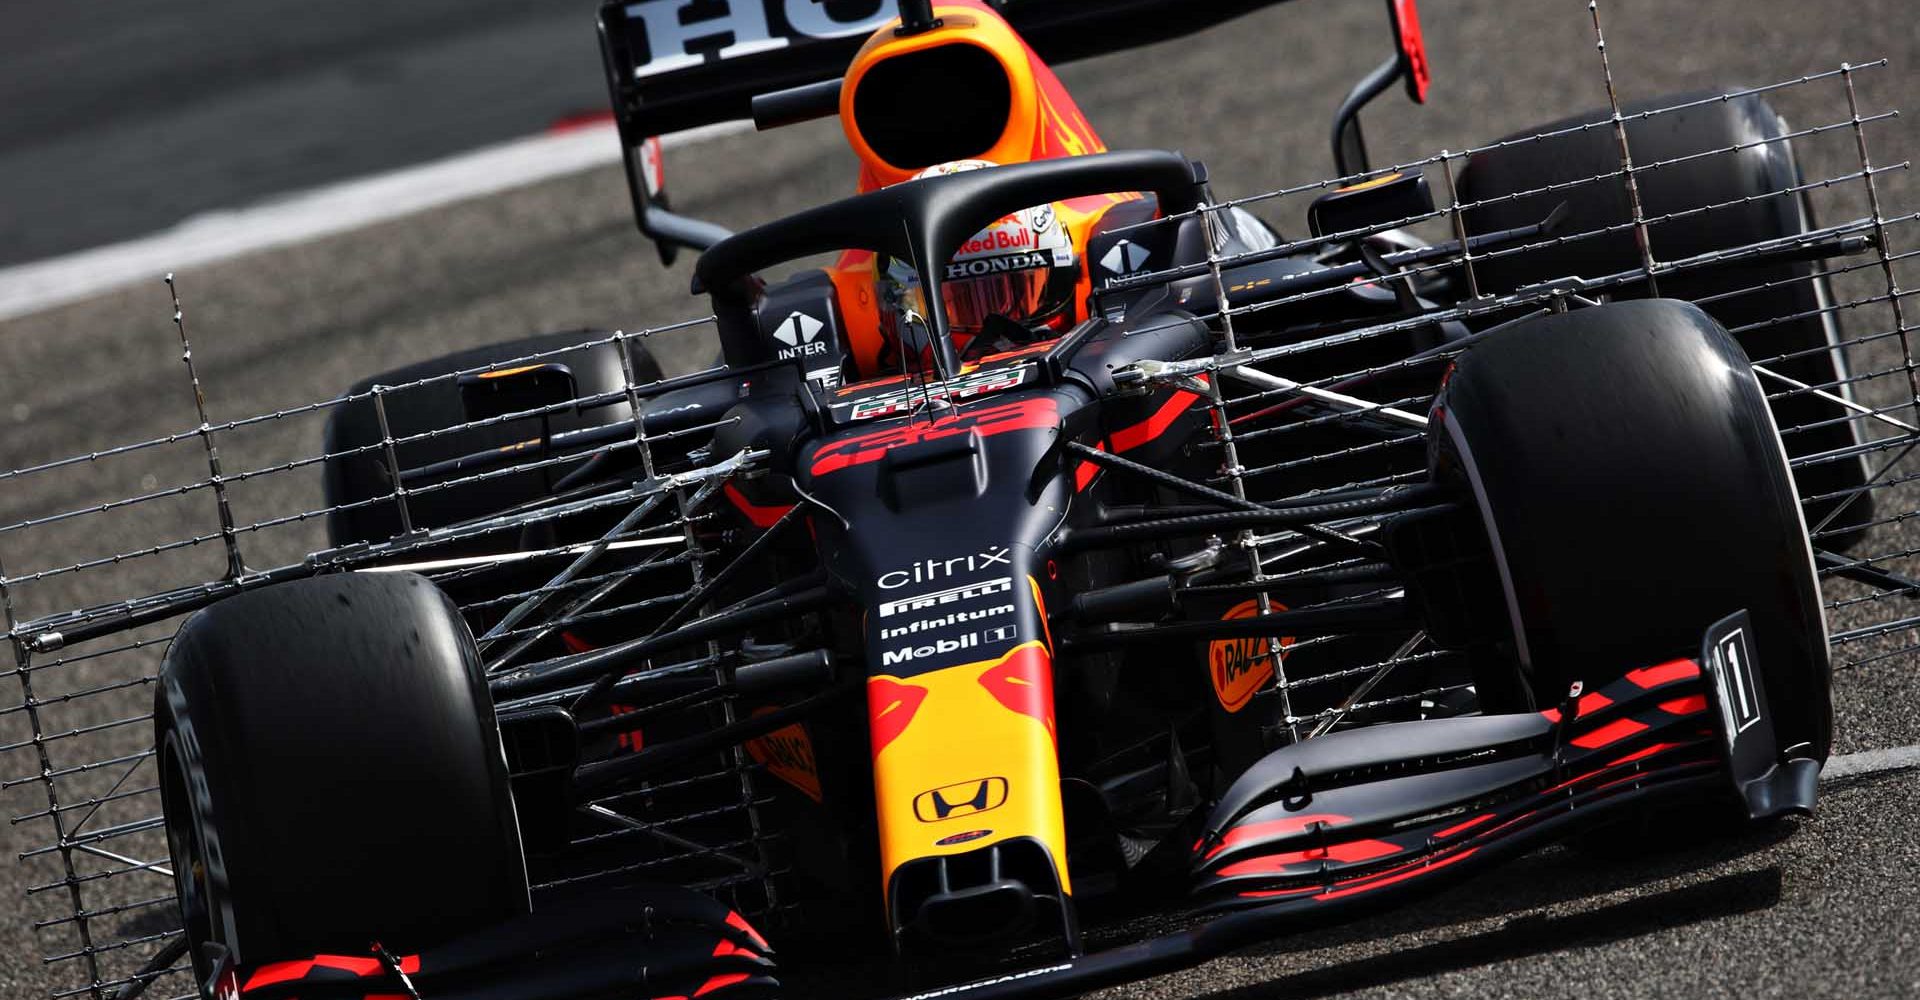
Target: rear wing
680, 64
676, 64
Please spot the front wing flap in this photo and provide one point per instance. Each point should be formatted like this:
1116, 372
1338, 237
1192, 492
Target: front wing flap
656, 942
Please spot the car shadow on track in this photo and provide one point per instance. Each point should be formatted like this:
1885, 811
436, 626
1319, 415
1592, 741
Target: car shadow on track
1547, 878
1527, 936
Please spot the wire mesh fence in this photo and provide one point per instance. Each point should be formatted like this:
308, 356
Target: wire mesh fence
91, 598
1820, 306
90, 605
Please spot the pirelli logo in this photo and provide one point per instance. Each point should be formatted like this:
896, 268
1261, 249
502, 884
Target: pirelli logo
942, 598
967, 798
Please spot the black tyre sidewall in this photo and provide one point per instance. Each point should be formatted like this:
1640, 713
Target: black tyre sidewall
1636, 492
358, 477
343, 769
1762, 166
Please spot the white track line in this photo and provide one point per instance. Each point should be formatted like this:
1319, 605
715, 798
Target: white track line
323, 211
1853, 765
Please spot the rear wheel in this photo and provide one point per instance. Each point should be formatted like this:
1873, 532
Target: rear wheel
1635, 492
1747, 184
362, 475
331, 774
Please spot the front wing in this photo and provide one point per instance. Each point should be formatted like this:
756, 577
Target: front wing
1317, 832
1332, 828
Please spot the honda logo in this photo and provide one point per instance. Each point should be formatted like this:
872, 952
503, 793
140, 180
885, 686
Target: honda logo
967, 798
677, 28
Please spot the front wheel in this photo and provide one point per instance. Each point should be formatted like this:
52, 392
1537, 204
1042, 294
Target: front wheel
1634, 491
332, 775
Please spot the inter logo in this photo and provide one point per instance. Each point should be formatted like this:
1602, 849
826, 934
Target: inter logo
801, 333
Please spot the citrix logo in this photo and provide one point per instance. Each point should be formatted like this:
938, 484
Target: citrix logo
930, 570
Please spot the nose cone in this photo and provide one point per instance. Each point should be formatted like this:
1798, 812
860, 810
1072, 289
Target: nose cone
984, 898
947, 517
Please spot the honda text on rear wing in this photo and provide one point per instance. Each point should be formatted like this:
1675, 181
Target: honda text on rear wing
680, 64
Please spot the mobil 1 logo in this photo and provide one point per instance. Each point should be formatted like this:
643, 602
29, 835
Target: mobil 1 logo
984, 639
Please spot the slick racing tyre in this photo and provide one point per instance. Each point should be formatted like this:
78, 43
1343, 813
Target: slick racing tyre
1758, 171
332, 775
1635, 492
362, 475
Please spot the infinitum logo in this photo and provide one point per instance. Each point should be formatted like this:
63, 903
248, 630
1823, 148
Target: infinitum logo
972, 640
944, 621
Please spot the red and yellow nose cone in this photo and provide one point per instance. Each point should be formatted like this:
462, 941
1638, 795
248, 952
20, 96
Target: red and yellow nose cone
965, 757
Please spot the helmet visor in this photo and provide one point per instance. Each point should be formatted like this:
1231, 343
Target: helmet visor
1014, 295
1018, 295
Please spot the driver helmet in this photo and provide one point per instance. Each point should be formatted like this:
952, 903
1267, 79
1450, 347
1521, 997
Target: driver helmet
1007, 286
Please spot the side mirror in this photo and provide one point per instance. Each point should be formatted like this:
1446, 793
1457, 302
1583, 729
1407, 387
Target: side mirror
484, 395
1408, 63
653, 211
1370, 204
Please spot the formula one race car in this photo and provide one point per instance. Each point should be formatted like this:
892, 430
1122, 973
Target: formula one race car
1073, 545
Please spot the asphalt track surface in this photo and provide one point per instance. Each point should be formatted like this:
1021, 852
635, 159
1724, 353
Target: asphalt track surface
124, 118
1828, 911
